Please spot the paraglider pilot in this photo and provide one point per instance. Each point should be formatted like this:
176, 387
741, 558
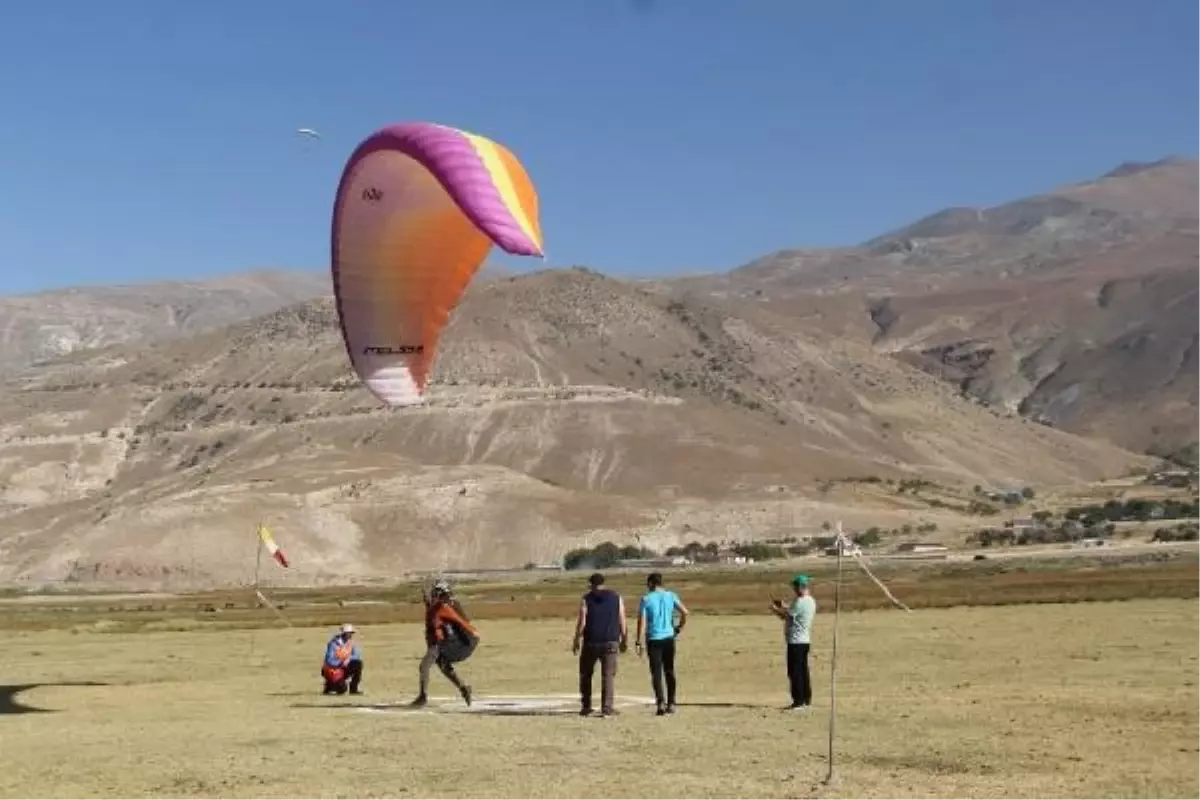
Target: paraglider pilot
343, 664
449, 638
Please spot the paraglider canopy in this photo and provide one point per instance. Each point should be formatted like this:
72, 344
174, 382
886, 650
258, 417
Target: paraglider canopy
308, 132
418, 208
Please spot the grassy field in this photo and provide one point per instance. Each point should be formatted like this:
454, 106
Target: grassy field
1054, 577
1036, 699
1089, 699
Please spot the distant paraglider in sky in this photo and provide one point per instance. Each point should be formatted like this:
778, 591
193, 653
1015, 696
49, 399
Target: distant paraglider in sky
418, 208
308, 132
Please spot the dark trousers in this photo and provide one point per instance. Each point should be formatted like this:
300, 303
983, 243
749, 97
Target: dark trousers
661, 654
351, 677
606, 653
798, 678
445, 654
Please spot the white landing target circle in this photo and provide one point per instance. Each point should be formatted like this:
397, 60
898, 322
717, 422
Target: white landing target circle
530, 705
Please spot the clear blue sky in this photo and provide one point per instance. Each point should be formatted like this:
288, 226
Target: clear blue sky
150, 139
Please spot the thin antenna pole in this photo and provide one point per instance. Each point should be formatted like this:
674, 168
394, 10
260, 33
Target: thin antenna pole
258, 548
257, 559
837, 615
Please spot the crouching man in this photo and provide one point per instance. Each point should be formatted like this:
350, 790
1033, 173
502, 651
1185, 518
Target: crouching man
343, 666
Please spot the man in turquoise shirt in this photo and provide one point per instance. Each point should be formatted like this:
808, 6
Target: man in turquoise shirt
797, 628
656, 620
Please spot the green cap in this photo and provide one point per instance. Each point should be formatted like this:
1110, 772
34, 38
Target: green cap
800, 580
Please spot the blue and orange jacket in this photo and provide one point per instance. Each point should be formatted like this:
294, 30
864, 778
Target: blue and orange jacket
339, 652
443, 620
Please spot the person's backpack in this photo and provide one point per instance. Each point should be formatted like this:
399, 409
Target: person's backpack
454, 631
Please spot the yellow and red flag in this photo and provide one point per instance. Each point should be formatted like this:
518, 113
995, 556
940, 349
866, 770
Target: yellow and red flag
265, 536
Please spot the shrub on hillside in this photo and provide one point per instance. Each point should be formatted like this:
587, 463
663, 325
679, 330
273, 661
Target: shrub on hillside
758, 551
603, 556
868, 538
1184, 532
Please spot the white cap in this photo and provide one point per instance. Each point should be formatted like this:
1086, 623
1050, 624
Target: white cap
347, 628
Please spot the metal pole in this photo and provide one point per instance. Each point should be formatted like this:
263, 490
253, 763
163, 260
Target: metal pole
257, 564
837, 614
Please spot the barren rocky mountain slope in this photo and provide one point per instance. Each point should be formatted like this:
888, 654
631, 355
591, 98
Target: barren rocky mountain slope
1077, 307
41, 326
1135, 203
566, 407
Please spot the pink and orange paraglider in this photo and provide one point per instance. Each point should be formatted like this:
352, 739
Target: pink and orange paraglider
418, 208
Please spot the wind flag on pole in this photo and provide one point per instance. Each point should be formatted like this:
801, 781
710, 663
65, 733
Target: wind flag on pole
265, 536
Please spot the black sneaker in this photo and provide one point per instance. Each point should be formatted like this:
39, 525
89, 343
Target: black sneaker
466, 695
670, 708
585, 712
419, 702
661, 711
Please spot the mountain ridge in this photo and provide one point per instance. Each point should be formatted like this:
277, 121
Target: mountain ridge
567, 407
547, 426
1045, 284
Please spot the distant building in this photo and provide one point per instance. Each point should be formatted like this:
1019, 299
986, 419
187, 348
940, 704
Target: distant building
1173, 478
921, 547
850, 549
652, 563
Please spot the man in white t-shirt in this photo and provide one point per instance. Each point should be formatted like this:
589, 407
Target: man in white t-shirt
797, 629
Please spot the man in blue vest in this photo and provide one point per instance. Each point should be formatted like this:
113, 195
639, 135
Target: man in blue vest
600, 634
656, 619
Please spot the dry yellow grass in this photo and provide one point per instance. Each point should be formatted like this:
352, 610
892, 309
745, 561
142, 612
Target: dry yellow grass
1079, 700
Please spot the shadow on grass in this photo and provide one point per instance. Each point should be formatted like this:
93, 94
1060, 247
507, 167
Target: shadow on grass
403, 708
9, 705
744, 706
532, 706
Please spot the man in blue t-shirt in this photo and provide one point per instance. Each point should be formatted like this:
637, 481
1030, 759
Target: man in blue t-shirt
656, 619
